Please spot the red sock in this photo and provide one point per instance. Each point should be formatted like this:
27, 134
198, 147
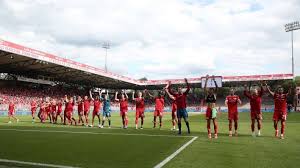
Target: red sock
235, 125
230, 125
208, 126
282, 127
252, 127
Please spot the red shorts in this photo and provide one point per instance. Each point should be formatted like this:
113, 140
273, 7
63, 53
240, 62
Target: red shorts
33, 110
233, 116
158, 113
208, 113
279, 116
256, 115
80, 113
11, 113
123, 112
86, 112
69, 114
58, 112
96, 113
139, 113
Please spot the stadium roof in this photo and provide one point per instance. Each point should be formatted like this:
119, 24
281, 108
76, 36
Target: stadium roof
27, 62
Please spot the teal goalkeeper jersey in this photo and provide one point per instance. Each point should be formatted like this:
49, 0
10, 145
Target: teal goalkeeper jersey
106, 105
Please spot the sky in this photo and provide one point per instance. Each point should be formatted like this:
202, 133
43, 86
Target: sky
160, 39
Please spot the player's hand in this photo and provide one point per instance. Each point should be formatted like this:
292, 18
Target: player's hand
168, 84
185, 79
207, 76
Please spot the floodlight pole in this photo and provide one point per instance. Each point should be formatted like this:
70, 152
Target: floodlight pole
106, 45
290, 27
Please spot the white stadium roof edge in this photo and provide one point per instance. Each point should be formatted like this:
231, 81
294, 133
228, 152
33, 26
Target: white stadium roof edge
24, 61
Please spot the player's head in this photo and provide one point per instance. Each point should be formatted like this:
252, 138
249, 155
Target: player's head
140, 94
255, 91
71, 99
161, 93
85, 97
122, 96
180, 90
231, 91
79, 98
280, 90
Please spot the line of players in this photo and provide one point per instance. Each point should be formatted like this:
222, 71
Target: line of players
52, 110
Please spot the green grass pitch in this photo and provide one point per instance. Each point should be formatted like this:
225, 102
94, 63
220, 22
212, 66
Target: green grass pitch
95, 147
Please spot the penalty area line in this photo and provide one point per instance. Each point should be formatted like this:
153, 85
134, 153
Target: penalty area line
169, 158
93, 133
34, 164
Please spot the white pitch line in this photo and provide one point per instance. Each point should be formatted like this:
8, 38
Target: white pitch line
94, 133
34, 164
169, 158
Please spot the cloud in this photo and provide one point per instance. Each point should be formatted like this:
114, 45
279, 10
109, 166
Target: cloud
160, 39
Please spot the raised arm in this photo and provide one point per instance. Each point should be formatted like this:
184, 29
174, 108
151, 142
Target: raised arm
205, 85
149, 94
133, 96
116, 97
170, 95
66, 99
216, 84
187, 86
246, 91
261, 92
169, 88
100, 94
268, 88
91, 96
125, 94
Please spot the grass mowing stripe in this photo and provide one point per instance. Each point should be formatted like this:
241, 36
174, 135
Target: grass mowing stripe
95, 133
169, 158
34, 164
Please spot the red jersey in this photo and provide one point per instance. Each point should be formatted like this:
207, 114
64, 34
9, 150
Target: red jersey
80, 106
86, 105
97, 104
59, 107
69, 107
255, 101
140, 103
53, 107
11, 107
33, 105
180, 99
123, 105
232, 102
48, 108
159, 103
280, 103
